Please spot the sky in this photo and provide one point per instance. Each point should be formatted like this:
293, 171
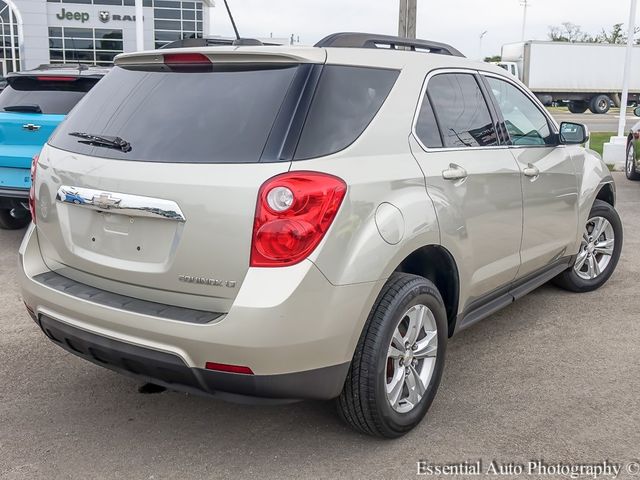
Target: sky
457, 22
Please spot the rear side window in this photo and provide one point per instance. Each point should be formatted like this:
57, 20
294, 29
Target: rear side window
345, 102
427, 127
223, 115
461, 110
33, 94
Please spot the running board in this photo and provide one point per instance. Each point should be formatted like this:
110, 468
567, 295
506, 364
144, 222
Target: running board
491, 303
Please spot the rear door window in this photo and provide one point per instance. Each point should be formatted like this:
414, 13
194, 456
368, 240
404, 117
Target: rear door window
42, 95
461, 111
222, 115
345, 102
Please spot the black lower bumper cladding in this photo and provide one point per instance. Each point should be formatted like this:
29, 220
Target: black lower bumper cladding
170, 371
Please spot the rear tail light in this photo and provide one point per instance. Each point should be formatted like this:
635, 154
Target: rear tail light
51, 78
223, 367
294, 212
32, 190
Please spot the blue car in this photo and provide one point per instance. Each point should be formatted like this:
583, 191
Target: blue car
32, 105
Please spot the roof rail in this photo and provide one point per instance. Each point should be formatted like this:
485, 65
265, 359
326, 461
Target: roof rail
371, 40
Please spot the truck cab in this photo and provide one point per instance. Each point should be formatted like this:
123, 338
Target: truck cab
511, 67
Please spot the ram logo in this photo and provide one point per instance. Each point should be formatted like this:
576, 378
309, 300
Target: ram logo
104, 16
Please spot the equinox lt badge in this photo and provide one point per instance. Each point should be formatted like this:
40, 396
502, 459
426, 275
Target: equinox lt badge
207, 281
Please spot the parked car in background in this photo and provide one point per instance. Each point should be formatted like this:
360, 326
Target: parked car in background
632, 164
3, 83
31, 107
283, 223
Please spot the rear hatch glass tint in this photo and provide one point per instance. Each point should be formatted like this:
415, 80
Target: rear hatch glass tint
221, 115
227, 113
54, 96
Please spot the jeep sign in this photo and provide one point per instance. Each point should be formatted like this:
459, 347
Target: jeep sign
64, 15
103, 15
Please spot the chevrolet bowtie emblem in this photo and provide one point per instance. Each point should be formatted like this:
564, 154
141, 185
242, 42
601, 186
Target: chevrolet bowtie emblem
106, 201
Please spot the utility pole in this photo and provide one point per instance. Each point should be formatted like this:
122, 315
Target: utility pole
407, 20
525, 5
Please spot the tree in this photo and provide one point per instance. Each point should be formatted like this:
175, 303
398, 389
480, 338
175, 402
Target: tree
568, 32
494, 58
616, 35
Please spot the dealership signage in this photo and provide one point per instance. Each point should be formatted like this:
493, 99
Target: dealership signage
104, 16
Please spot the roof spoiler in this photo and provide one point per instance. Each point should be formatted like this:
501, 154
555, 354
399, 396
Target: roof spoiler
370, 40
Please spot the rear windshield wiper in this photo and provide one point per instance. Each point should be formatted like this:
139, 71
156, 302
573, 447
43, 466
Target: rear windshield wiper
103, 141
23, 108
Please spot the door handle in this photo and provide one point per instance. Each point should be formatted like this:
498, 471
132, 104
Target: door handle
531, 171
31, 127
454, 172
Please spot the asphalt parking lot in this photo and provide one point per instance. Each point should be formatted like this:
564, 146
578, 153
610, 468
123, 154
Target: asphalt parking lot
596, 123
556, 376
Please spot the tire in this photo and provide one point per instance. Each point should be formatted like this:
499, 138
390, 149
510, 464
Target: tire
364, 402
600, 104
630, 163
9, 222
579, 279
577, 106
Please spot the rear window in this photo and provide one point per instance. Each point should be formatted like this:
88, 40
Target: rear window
227, 113
56, 97
219, 116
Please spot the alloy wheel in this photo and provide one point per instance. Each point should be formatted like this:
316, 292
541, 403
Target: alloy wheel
631, 157
596, 249
411, 358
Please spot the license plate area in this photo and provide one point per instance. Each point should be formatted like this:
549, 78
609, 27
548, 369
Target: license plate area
104, 236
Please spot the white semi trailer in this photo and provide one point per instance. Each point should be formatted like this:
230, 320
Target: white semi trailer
587, 75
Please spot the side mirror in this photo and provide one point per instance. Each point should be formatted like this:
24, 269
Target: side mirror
636, 111
573, 133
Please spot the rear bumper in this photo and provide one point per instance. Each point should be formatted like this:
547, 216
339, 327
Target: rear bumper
296, 331
13, 198
20, 193
170, 370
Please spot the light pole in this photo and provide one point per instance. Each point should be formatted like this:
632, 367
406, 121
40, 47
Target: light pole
615, 150
480, 42
525, 6
627, 68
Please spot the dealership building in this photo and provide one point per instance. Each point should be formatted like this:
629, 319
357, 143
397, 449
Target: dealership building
91, 31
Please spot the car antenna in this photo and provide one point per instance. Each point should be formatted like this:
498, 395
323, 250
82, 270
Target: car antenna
233, 22
75, 54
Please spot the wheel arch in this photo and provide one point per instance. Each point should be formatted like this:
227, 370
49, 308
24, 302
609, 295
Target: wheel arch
607, 194
436, 263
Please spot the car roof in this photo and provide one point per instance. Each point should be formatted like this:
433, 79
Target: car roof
344, 48
66, 69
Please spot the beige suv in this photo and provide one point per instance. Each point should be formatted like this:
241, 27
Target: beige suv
289, 223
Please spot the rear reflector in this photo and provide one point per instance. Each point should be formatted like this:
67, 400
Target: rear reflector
221, 367
56, 79
186, 59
